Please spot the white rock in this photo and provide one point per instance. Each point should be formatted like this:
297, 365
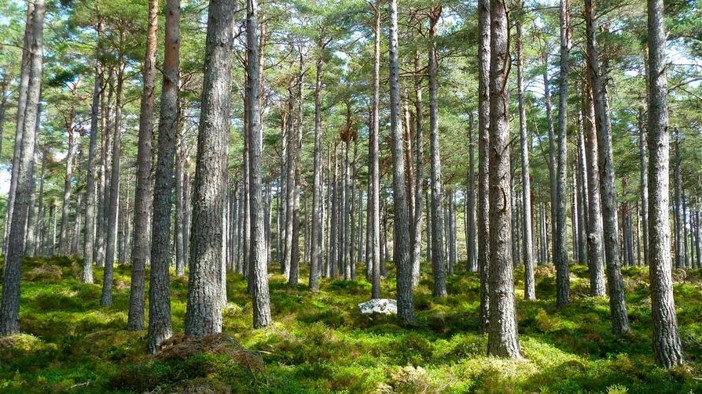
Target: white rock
379, 305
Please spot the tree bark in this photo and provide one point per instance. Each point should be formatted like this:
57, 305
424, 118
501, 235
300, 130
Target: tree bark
483, 202
261, 298
159, 297
113, 201
666, 340
471, 247
317, 197
9, 308
560, 250
437, 220
204, 307
25, 70
615, 282
143, 200
419, 176
68, 179
401, 244
594, 236
89, 240
678, 200
528, 250
502, 334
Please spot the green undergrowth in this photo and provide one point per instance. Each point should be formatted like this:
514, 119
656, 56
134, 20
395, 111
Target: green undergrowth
320, 343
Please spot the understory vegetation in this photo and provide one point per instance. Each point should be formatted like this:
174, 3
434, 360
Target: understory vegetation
320, 342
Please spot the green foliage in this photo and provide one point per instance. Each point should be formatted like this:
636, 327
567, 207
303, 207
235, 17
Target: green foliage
320, 343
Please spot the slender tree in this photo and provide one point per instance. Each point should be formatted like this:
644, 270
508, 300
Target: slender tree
159, 298
257, 259
560, 251
437, 220
89, 239
529, 287
595, 253
483, 201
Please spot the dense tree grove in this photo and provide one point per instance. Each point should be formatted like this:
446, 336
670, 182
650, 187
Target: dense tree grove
359, 140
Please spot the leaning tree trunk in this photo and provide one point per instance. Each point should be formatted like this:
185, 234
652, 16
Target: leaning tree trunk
204, 308
9, 309
502, 335
159, 298
261, 298
437, 219
483, 201
401, 243
143, 199
666, 340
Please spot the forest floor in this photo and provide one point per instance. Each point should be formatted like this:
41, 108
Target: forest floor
321, 343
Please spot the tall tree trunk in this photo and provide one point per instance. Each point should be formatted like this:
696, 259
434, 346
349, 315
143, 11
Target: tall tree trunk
261, 299
615, 282
529, 287
89, 240
471, 247
582, 193
159, 297
25, 70
643, 180
144, 196
68, 179
113, 202
30, 246
374, 171
317, 229
502, 335
419, 176
9, 308
181, 250
204, 308
401, 243
678, 200
594, 238
39, 233
4, 95
297, 142
666, 340
483, 202
437, 222
103, 191
560, 250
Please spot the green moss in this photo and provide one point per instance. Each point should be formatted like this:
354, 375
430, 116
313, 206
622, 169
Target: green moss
320, 343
